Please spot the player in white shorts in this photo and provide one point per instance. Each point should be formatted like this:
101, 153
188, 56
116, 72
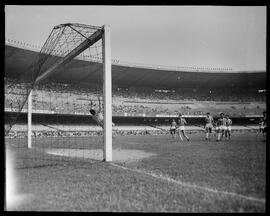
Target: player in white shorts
228, 127
208, 125
181, 129
173, 128
215, 126
263, 125
221, 123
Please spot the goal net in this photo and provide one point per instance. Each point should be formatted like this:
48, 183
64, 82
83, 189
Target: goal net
69, 77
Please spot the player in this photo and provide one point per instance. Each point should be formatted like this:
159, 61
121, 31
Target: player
181, 123
216, 127
208, 125
98, 116
228, 127
263, 126
221, 127
173, 128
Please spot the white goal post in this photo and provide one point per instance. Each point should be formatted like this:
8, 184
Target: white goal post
105, 35
107, 93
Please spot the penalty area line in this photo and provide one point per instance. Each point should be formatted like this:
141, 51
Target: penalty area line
192, 186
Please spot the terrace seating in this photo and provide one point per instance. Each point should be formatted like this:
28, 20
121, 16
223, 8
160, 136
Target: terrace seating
71, 99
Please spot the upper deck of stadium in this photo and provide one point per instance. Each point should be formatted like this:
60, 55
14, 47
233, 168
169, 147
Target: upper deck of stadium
19, 56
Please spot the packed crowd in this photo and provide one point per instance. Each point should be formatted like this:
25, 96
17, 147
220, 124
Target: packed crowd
236, 95
71, 98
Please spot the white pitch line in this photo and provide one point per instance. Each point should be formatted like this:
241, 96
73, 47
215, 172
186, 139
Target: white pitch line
193, 186
184, 184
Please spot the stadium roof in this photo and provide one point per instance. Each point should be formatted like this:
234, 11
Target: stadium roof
18, 59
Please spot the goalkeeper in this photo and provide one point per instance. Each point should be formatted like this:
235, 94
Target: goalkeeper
98, 116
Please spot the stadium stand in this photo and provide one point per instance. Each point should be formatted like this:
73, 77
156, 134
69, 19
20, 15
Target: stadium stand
67, 99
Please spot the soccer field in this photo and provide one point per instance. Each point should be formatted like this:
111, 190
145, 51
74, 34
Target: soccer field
149, 174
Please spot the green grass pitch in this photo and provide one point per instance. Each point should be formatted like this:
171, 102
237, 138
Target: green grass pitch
195, 176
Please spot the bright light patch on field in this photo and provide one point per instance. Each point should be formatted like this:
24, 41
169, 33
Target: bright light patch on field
12, 197
10, 181
97, 154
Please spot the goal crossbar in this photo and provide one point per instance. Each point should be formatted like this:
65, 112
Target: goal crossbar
83, 46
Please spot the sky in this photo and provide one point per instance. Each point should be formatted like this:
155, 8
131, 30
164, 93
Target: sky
202, 36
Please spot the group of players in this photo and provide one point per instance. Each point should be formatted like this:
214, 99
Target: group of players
222, 127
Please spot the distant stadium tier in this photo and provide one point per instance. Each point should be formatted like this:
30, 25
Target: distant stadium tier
18, 57
65, 43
